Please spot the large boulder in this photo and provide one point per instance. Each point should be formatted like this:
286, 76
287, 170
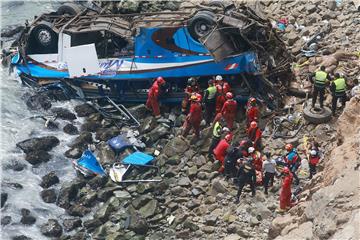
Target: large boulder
139, 111
78, 210
175, 146
137, 224
68, 192
63, 113
4, 197
218, 186
37, 157
82, 140
48, 195
84, 110
90, 126
74, 153
37, 144
71, 223
107, 133
147, 125
106, 155
49, 180
70, 129
39, 101
160, 131
27, 218
92, 224
51, 229
149, 209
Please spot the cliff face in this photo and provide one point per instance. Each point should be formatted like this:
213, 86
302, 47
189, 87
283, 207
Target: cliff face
330, 206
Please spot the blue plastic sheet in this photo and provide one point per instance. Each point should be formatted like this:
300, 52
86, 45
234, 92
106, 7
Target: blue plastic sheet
138, 158
119, 143
88, 161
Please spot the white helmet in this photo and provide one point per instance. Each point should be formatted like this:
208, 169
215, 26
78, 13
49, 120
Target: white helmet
251, 150
313, 152
218, 78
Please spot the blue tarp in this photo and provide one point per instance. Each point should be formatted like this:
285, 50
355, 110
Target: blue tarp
119, 143
138, 158
88, 161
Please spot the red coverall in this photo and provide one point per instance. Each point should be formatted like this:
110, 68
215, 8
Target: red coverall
258, 166
285, 193
221, 89
228, 111
220, 153
193, 119
254, 135
152, 101
188, 91
252, 114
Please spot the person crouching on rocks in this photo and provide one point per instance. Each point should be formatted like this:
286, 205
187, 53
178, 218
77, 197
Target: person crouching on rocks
193, 119
285, 192
220, 150
246, 175
218, 129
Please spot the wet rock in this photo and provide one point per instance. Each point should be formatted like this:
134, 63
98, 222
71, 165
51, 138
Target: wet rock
92, 224
105, 193
88, 199
11, 30
106, 134
107, 209
90, 126
5, 220
68, 192
149, 209
82, 140
84, 110
37, 157
4, 197
27, 218
175, 146
73, 153
97, 182
12, 185
71, 223
49, 180
137, 224
147, 125
51, 229
70, 129
39, 101
37, 144
78, 210
21, 237
15, 165
48, 195
63, 113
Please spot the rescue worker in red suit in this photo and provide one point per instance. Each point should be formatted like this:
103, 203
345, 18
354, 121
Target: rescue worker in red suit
254, 134
257, 163
228, 110
221, 150
152, 102
314, 158
222, 88
252, 111
193, 119
285, 193
191, 88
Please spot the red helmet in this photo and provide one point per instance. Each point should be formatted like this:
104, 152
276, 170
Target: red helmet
286, 170
289, 147
253, 124
243, 142
252, 100
229, 95
160, 80
228, 137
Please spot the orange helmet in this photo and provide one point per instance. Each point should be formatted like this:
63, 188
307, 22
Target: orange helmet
228, 137
289, 147
199, 97
286, 170
160, 80
243, 142
252, 100
253, 124
229, 95
194, 98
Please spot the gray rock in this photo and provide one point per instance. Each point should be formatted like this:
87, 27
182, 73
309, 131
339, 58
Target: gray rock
106, 155
137, 224
190, 225
92, 224
160, 131
106, 134
217, 186
310, 8
90, 126
192, 204
192, 171
21, 237
51, 229
84, 110
254, 221
37, 144
27, 218
82, 140
148, 187
180, 191
97, 182
141, 200
11, 30
71, 223
37, 157
63, 113
70, 129
88, 199
175, 146
184, 182
49, 180
232, 237
105, 193
139, 111
210, 220
5, 220
4, 197
78, 210
14, 165
149, 209
196, 192
73, 153
68, 192
147, 125
39, 101
48, 195
106, 209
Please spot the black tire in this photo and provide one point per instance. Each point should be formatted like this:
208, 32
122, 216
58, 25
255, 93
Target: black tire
45, 40
201, 24
317, 115
68, 9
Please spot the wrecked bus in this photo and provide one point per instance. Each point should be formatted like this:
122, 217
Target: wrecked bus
90, 54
